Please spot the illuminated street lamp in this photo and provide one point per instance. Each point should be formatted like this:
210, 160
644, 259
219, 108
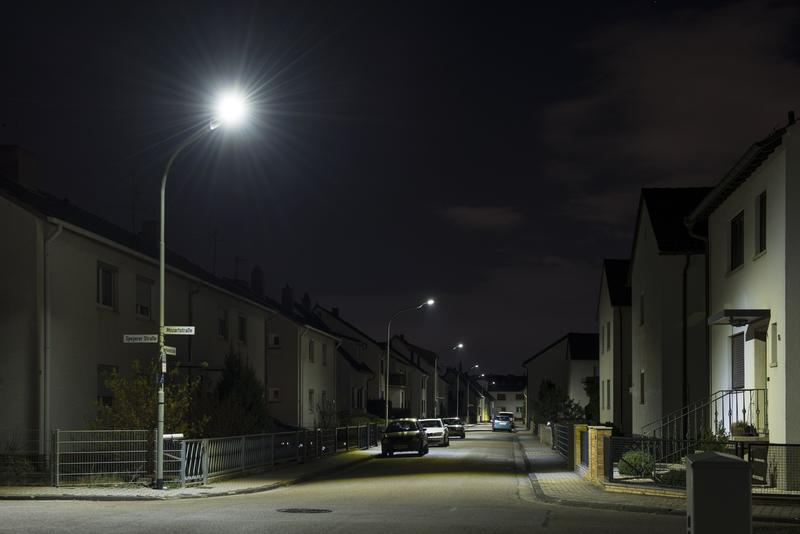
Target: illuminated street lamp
429, 302
458, 346
230, 110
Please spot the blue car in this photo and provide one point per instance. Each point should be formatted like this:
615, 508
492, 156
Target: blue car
502, 422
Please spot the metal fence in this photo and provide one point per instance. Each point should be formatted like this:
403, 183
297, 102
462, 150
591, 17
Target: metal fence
775, 468
126, 456
21, 461
562, 440
92, 457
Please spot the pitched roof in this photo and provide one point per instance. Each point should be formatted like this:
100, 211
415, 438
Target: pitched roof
357, 365
428, 355
616, 273
580, 346
741, 171
668, 208
506, 382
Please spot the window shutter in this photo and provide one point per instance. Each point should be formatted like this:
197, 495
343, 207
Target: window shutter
737, 361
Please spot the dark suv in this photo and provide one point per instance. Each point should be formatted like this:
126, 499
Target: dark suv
455, 426
404, 435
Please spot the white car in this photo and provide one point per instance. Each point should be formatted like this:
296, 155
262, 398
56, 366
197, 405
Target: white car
437, 431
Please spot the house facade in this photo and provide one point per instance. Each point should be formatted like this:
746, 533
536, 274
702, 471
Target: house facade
754, 286
567, 362
614, 327
668, 333
509, 393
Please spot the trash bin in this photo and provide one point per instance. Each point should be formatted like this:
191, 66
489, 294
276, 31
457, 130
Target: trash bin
718, 494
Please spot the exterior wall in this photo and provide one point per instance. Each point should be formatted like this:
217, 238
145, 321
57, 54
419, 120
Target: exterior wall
318, 375
579, 370
615, 362
657, 343
761, 283
550, 365
21, 294
791, 404
283, 385
511, 403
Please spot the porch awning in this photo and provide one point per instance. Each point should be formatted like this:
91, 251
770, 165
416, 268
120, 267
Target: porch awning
738, 317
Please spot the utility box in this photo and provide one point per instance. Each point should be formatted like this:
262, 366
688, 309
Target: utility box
718, 494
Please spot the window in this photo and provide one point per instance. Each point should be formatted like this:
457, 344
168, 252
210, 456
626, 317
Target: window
324, 354
274, 340
602, 342
242, 330
519, 409
602, 395
422, 406
608, 394
737, 241
501, 396
608, 335
222, 323
310, 400
422, 383
520, 396
105, 397
274, 395
641, 309
353, 397
360, 403
107, 285
761, 222
144, 297
382, 364
310, 351
773, 345
402, 399
323, 399
502, 409
641, 387
737, 361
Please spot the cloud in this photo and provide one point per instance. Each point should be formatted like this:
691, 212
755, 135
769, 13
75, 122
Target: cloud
673, 100
484, 217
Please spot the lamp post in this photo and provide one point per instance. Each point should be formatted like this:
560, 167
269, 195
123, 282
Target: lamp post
230, 110
429, 302
458, 346
458, 382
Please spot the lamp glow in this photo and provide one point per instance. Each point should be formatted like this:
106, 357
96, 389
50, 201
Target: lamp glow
231, 109
430, 302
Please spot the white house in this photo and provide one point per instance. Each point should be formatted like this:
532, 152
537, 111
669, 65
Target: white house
567, 363
668, 332
754, 286
614, 325
509, 393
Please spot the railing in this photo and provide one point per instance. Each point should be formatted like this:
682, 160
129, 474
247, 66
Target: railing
731, 411
562, 440
125, 456
775, 468
21, 460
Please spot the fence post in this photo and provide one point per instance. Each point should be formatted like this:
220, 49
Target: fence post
272, 451
242, 453
205, 460
183, 463
56, 458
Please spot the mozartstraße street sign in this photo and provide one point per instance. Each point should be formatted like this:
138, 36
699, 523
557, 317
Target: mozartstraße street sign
178, 330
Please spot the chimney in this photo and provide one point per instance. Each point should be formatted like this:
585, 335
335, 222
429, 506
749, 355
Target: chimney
335, 312
791, 117
287, 297
306, 302
257, 281
17, 165
149, 233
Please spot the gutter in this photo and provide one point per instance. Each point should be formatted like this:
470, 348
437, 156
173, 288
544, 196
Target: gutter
44, 350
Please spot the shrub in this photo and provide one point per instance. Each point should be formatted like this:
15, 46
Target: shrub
742, 428
673, 477
636, 463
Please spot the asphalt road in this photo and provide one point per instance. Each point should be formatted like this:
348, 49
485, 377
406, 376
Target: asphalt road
475, 485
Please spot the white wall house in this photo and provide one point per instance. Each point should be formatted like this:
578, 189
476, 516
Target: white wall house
754, 276
668, 332
509, 393
614, 325
428, 361
73, 285
567, 363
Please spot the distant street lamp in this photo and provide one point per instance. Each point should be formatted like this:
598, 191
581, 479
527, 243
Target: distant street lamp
458, 346
429, 302
230, 110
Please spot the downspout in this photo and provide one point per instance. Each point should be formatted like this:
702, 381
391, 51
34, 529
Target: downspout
44, 352
704, 239
685, 335
623, 379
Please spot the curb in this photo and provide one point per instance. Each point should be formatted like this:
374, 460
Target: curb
143, 498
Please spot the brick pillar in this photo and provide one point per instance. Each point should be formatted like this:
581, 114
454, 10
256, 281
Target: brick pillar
596, 471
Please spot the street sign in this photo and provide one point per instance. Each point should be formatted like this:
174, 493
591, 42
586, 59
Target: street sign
170, 351
179, 330
140, 338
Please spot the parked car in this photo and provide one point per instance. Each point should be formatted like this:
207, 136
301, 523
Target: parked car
455, 426
501, 422
405, 435
437, 431
510, 417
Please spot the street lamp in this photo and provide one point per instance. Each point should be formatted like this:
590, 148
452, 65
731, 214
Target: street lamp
229, 111
458, 346
429, 302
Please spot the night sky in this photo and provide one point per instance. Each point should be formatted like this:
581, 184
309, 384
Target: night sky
487, 154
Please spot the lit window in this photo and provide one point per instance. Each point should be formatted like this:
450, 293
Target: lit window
144, 294
107, 285
737, 241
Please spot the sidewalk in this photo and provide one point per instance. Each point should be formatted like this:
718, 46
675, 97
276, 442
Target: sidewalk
281, 476
553, 483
